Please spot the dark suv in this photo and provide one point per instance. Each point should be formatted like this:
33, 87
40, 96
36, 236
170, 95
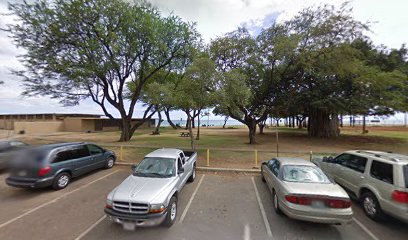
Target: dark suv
55, 164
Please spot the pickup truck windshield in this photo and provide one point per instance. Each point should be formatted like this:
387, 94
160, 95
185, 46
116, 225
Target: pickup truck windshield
155, 167
309, 174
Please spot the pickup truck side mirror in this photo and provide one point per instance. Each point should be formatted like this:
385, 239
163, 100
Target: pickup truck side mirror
180, 170
134, 166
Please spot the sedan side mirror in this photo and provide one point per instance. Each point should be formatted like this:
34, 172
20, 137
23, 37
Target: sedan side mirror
181, 170
134, 166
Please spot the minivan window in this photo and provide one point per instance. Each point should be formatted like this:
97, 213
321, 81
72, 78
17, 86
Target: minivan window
63, 156
94, 150
406, 175
80, 152
382, 171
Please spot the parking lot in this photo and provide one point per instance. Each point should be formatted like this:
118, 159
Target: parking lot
215, 206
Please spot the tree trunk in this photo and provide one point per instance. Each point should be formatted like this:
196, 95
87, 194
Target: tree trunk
157, 130
193, 118
167, 113
225, 121
323, 124
261, 128
198, 126
252, 131
341, 120
364, 124
190, 130
125, 127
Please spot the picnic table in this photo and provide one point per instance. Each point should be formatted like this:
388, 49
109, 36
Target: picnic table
184, 134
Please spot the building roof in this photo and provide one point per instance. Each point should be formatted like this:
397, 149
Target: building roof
165, 153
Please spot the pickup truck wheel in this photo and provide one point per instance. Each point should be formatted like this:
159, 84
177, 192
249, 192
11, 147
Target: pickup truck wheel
171, 213
372, 207
276, 202
109, 163
193, 175
61, 181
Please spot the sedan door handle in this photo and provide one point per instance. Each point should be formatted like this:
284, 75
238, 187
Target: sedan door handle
362, 177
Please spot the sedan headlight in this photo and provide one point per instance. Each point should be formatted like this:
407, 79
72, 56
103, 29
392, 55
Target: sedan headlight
157, 208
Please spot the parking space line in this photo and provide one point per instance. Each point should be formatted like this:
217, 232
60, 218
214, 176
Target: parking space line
191, 200
261, 207
365, 229
54, 200
247, 232
90, 228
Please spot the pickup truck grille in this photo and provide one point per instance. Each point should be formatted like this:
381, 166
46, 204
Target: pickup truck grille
130, 207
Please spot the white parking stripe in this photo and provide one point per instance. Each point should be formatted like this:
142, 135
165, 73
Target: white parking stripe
90, 228
191, 200
261, 207
54, 200
365, 229
247, 232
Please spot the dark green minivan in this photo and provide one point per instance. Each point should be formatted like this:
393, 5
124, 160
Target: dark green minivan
56, 164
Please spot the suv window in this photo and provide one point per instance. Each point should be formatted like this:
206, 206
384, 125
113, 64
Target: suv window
353, 162
382, 171
94, 150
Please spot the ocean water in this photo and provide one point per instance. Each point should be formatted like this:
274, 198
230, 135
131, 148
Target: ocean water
230, 122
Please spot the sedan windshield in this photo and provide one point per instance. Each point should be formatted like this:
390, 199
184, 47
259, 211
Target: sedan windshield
310, 174
155, 167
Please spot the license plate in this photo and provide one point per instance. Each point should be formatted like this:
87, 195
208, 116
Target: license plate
318, 204
129, 226
22, 173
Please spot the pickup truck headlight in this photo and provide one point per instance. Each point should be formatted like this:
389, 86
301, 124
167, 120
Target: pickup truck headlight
109, 203
157, 208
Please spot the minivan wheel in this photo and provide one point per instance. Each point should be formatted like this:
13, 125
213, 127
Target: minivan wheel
171, 213
276, 203
61, 181
110, 162
193, 175
371, 206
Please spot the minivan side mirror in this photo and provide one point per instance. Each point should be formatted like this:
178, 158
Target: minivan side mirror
180, 170
134, 166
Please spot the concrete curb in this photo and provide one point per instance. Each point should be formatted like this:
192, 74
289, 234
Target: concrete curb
209, 169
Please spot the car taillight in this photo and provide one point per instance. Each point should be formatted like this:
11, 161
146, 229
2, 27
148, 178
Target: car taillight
298, 200
400, 196
43, 171
309, 200
338, 203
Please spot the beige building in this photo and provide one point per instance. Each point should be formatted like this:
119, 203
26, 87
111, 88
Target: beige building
53, 122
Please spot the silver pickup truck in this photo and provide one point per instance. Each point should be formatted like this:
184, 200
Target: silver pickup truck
148, 197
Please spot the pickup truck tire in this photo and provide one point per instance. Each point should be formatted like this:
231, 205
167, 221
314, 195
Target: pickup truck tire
61, 181
171, 213
371, 206
193, 174
109, 163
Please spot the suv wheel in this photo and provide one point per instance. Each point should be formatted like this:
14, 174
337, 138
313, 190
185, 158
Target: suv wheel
110, 162
371, 206
193, 175
276, 202
61, 181
171, 213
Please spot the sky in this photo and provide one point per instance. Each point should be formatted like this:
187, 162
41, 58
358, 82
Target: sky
213, 18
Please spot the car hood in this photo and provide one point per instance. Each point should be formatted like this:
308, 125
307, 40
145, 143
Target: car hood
332, 190
143, 189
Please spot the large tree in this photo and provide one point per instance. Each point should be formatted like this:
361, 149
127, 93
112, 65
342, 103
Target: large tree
78, 49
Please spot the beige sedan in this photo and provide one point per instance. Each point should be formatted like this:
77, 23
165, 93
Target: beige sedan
302, 191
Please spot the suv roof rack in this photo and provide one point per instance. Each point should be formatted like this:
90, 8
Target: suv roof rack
379, 155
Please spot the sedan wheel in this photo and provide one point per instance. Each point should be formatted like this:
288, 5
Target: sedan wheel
276, 203
110, 163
